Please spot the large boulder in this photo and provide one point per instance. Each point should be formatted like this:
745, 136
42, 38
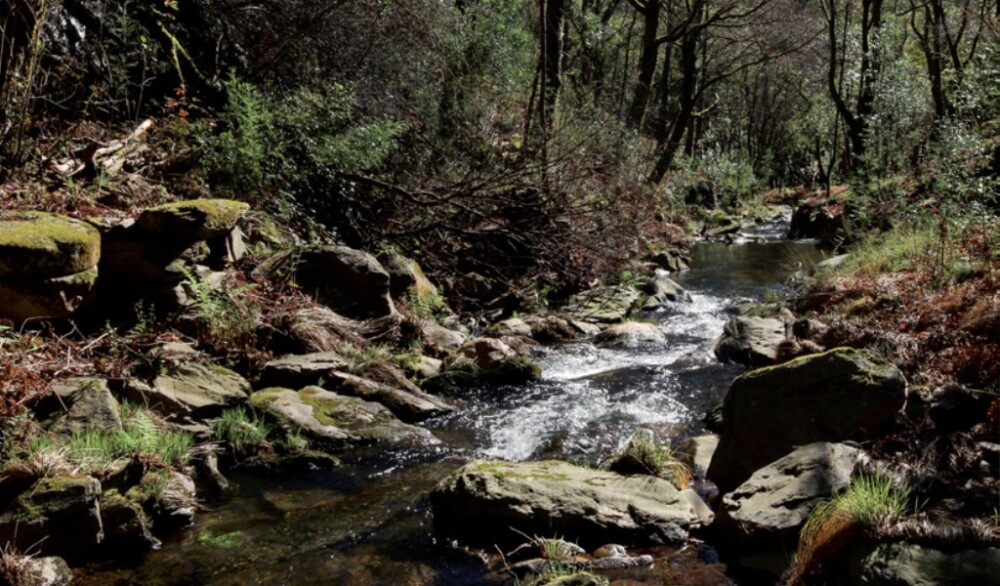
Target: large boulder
843, 394
663, 292
751, 341
52, 297
37, 245
909, 564
774, 503
159, 270
83, 403
406, 277
631, 334
826, 219
510, 327
605, 305
333, 420
59, 515
487, 353
351, 282
485, 500
195, 390
193, 220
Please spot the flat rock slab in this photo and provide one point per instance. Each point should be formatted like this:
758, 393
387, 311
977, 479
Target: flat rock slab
197, 390
37, 245
408, 405
334, 420
485, 499
777, 499
839, 395
299, 370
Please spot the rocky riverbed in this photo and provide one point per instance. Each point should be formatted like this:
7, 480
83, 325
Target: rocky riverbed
376, 438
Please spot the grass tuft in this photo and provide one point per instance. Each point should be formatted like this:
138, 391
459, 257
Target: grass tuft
644, 455
870, 505
243, 430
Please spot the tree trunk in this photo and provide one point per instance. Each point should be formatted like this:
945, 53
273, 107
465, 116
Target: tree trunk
689, 85
647, 63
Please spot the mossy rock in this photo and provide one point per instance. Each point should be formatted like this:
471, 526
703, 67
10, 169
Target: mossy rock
198, 219
54, 297
333, 420
485, 500
37, 245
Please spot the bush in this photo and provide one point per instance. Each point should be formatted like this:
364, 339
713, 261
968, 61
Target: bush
286, 152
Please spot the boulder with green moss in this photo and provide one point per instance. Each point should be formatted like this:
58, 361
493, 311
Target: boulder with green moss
406, 277
124, 524
50, 297
333, 420
604, 305
193, 220
839, 395
58, 515
37, 245
484, 500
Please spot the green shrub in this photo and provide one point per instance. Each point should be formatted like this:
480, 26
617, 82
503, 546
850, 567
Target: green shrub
284, 151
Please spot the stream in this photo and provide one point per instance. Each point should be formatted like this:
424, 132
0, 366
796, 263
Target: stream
369, 522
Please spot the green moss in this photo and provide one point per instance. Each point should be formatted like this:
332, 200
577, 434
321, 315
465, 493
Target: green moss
222, 541
40, 245
195, 219
500, 469
329, 411
221, 370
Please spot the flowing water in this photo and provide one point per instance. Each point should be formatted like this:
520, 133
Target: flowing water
369, 521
